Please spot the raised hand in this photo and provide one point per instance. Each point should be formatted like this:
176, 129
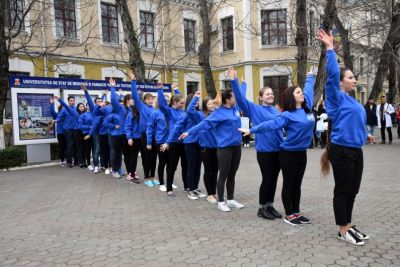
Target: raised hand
326, 39
112, 82
55, 97
131, 75
232, 73
198, 93
245, 132
52, 99
311, 71
160, 85
83, 87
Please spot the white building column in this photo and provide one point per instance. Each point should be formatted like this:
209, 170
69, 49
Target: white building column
248, 68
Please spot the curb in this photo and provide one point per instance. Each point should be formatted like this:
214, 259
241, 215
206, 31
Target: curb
48, 164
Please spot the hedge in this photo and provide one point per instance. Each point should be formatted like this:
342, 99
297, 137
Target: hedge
11, 157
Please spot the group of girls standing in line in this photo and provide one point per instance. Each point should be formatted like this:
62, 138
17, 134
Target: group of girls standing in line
174, 129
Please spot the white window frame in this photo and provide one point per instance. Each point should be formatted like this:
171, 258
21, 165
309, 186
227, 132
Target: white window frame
69, 68
148, 6
189, 15
120, 29
78, 23
225, 12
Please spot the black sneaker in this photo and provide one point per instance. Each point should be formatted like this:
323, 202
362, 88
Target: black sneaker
351, 238
359, 234
135, 180
292, 221
70, 165
274, 212
265, 213
303, 219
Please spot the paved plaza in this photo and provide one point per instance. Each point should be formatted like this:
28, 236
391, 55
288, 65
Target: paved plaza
56, 216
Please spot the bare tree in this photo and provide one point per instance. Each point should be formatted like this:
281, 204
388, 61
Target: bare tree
301, 41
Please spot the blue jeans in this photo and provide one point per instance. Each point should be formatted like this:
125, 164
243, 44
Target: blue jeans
370, 129
96, 150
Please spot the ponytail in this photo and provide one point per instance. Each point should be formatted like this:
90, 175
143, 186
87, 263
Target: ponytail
325, 165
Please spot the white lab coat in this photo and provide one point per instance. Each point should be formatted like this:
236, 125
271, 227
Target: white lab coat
389, 108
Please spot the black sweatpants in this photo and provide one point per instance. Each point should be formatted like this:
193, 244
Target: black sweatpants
347, 165
135, 148
79, 146
293, 164
193, 158
210, 163
270, 167
121, 147
104, 151
149, 157
389, 130
87, 150
61, 146
228, 163
176, 151
162, 163
69, 145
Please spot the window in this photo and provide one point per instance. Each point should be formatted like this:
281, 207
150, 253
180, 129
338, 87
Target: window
69, 76
65, 18
277, 83
117, 79
312, 28
361, 65
273, 27
227, 85
146, 29
190, 35
191, 87
227, 34
8, 108
15, 15
109, 23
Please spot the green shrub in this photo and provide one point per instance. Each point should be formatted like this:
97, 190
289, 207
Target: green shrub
11, 157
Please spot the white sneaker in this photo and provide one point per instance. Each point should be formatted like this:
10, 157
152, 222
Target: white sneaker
199, 193
174, 186
192, 195
163, 188
116, 175
223, 207
90, 168
107, 171
349, 237
96, 169
234, 204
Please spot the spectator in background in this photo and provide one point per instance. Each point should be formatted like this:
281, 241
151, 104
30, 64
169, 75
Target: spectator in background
398, 120
383, 112
322, 135
372, 119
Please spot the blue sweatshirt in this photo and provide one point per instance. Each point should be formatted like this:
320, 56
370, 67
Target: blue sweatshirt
206, 138
69, 116
103, 112
121, 111
298, 124
172, 115
144, 109
266, 141
157, 127
111, 121
132, 130
59, 125
181, 126
348, 116
224, 123
85, 122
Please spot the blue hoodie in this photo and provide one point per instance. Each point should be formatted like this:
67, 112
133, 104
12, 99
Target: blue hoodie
59, 125
298, 124
121, 111
111, 121
172, 115
102, 112
206, 138
157, 127
94, 129
132, 130
69, 116
144, 109
224, 123
267, 141
85, 122
348, 116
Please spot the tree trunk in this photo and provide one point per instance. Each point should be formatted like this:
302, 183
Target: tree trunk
205, 48
4, 69
136, 62
346, 44
320, 80
301, 41
388, 50
393, 67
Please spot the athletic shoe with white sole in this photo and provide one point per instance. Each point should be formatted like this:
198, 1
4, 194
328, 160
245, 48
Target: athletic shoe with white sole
96, 170
116, 175
90, 168
155, 182
358, 233
163, 188
234, 204
351, 238
292, 220
199, 193
107, 171
174, 186
223, 207
191, 195
148, 183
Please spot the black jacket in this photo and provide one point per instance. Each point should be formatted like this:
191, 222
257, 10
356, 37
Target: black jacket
371, 115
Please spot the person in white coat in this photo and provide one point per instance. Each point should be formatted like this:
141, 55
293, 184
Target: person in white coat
383, 112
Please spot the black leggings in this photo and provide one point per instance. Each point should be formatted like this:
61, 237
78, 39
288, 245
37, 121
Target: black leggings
228, 162
193, 155
149, 157
210, 163
61, 146
104, 151
79, 146
134, 155
176, 151
87, 150
347, 165
162, 163
270, 167
293, 164
121, 147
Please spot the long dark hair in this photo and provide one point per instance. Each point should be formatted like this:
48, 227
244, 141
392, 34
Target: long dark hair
288, 101
225, 95
204, 102
126, 99
77, 108
174, 99
135, 113
189, 98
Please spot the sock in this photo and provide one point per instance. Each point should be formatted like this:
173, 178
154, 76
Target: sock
269, 204
263, 206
